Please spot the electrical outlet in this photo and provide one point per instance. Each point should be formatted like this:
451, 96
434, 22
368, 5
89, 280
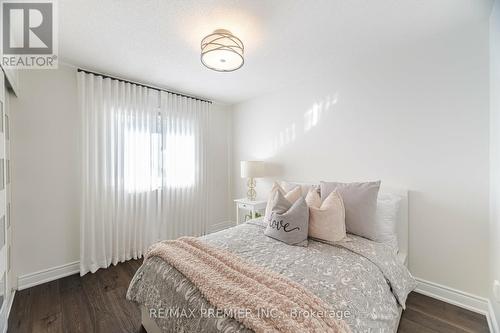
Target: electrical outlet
496, 290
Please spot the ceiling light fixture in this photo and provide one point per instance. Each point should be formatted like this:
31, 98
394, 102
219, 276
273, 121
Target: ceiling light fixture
222, 51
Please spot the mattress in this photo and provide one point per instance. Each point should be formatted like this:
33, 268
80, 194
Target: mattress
363, 281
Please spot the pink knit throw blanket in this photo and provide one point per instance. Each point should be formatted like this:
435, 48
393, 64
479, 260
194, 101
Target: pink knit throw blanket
260, 299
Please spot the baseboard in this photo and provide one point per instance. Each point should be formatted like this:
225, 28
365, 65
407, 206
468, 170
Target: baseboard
492, 319
11, 301
453, 296
459, 298
221, 226
46, 275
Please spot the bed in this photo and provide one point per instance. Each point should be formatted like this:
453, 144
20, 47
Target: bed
362, 280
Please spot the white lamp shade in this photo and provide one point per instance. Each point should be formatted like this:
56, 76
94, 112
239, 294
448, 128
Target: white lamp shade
252, 169
222, 51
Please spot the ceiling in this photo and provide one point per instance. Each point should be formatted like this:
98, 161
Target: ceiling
158, 41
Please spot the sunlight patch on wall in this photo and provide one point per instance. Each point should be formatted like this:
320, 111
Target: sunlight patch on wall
314, 114
289, 134
284, 137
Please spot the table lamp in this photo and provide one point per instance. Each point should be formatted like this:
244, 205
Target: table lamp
252, 170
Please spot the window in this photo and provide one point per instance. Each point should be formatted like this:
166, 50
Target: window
179, 160
142, 161
149, 164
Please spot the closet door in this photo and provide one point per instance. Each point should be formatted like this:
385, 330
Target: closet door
4, 239
11, 281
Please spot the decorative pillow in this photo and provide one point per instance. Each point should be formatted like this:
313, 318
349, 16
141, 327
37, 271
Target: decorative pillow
279, 203
360, 202
327, 219
291, 226
305, 187
388, 210
291, 196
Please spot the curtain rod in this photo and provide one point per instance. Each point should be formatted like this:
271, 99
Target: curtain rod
141, 84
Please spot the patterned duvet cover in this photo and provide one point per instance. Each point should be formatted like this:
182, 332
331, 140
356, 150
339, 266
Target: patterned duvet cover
362, 280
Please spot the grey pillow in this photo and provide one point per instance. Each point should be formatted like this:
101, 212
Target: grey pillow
304, 187
291, 226
360, 202
278, 204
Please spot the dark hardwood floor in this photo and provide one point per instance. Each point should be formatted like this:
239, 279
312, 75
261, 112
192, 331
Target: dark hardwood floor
96, 303
425, 314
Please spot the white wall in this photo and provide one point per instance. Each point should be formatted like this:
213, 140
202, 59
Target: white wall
46, 158
495, 152
414, 116
220, 204
45, 153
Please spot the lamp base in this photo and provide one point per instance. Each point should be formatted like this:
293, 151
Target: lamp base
251, 193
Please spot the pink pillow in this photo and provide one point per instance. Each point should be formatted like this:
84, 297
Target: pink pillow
327, 218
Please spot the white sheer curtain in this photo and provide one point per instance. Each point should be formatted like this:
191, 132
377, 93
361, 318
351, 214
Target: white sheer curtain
185, 194
144, 169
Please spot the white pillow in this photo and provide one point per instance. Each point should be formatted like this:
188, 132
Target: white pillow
386, 219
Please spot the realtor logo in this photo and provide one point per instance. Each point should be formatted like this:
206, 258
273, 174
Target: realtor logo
29, 34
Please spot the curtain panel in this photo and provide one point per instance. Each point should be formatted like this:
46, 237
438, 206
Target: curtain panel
143, 169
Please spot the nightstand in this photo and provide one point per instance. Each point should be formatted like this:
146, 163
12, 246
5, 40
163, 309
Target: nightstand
253, 207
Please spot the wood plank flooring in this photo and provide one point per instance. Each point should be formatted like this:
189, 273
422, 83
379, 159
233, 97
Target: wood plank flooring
96, 303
